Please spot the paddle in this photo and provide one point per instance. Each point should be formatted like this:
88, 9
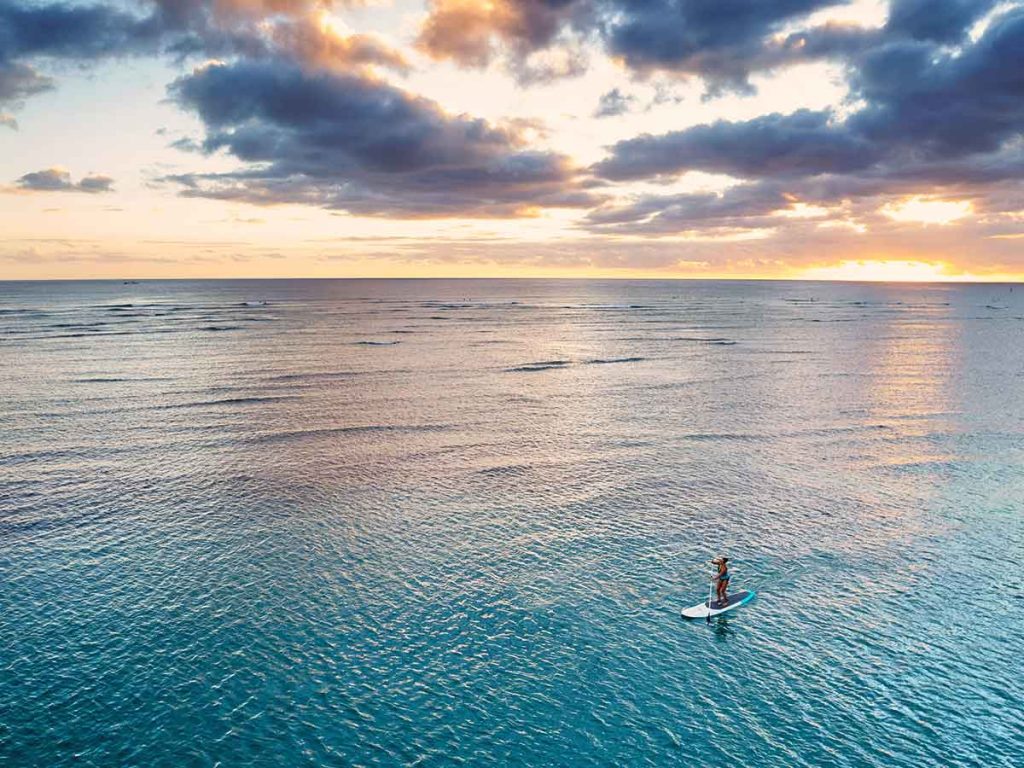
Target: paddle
711, 597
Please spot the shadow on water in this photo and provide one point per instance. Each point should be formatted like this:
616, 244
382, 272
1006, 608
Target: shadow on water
721, 628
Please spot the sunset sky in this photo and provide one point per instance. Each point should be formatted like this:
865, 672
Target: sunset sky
623, 138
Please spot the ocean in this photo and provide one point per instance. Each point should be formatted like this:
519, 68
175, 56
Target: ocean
453, 522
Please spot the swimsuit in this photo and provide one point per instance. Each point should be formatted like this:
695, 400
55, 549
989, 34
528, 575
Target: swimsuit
724, 576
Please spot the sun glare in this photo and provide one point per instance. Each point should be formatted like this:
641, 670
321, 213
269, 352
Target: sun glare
883, 271
802, 211
922, 210
332, 25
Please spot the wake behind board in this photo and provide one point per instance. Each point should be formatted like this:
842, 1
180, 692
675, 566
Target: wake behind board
704, 610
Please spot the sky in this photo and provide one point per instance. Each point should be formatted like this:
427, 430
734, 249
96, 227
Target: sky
812, 139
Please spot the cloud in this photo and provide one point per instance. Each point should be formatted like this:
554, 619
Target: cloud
721, 42
613, 103
315, 43
301, 107
19, 81
737, 207
532, 39
941, 21
354, 143
303, 31
950, 122
96, 183
30, 32
57, 179
472, 33
69, 30
300, 29
803, 143
937, 104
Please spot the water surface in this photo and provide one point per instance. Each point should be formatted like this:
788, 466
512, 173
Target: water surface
443, 523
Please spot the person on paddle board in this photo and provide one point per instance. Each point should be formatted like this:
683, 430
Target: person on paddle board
721, 578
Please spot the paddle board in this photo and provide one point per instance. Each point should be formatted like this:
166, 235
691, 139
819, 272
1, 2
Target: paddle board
735, 600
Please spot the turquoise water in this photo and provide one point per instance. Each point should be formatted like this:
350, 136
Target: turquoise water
444, 523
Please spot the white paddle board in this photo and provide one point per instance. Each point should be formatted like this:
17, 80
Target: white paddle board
706, 609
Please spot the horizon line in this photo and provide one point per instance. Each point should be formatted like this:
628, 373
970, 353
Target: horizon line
1002, 280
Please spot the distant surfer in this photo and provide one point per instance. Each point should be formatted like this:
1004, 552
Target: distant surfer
721, 578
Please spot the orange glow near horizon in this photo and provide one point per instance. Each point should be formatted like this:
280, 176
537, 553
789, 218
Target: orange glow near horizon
847, 270
899, 271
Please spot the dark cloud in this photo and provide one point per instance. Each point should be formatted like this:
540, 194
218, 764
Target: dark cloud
947, 121
96, 183
613, 103
354, 143
803, 143
270, 30
33, 33
732, 208
30, 33
70, 31
19, 81
299, 106
186, 144
721, 41
944, 105
59, 180
50, 180
942, 21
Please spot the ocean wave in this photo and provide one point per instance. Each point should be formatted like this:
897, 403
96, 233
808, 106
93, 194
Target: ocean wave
376, 343
79, 326
720, 341
92, 335
610, 360
541, 366
26, 457
118, 379
737, 436
506, 470
300, 434
251, 400
313, 376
